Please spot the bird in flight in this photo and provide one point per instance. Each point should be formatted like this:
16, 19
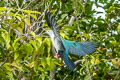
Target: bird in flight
63, 47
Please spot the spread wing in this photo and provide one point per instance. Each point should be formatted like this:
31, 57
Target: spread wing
51, 22
79, 48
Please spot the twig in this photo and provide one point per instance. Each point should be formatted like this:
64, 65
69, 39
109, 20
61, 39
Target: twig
117, 76
17, 4
77, 62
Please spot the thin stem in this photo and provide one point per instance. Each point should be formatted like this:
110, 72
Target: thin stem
117, 76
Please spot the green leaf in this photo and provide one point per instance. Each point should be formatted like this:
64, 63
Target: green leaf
114, 42
86, 35
42, 48
33, 44
34, 16
14, 45
10, 14
28, 48
16, 55
43, 62
64, 36
2, 41
64, 15
30, 65
48, 43
32, 33
18, 17
48, 61
6, 37
82, 7
118, 28
29, 11
27, 21
36, 65
10, 74
17, 66
5, 9
7, 66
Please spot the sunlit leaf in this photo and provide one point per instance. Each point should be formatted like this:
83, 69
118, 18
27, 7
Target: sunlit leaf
43, 62
48, 42
30, 65
17, 66
118, 29
33, 44
15, 42
7, 66
18, 17
6, 37
34, 16
5, 9
16, 55
27, 21
32, 33
2, 41
28, 49
29, 11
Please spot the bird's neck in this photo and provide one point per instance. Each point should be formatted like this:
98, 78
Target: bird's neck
52, 37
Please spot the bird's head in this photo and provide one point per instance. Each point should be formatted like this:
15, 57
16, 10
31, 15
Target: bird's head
50, 33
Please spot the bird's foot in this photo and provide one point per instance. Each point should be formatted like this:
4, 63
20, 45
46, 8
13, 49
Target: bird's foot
57, 55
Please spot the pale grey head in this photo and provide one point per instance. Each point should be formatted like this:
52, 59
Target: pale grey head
50, 33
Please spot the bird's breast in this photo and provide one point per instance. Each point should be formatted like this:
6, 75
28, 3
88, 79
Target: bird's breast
58, 44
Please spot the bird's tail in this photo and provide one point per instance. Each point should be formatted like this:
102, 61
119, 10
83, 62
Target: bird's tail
68, 62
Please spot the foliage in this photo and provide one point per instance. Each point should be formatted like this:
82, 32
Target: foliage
26, 53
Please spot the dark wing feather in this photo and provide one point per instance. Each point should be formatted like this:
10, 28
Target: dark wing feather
82, 48
51, 22
69, 63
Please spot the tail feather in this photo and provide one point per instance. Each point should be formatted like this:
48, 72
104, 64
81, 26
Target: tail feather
68, 62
